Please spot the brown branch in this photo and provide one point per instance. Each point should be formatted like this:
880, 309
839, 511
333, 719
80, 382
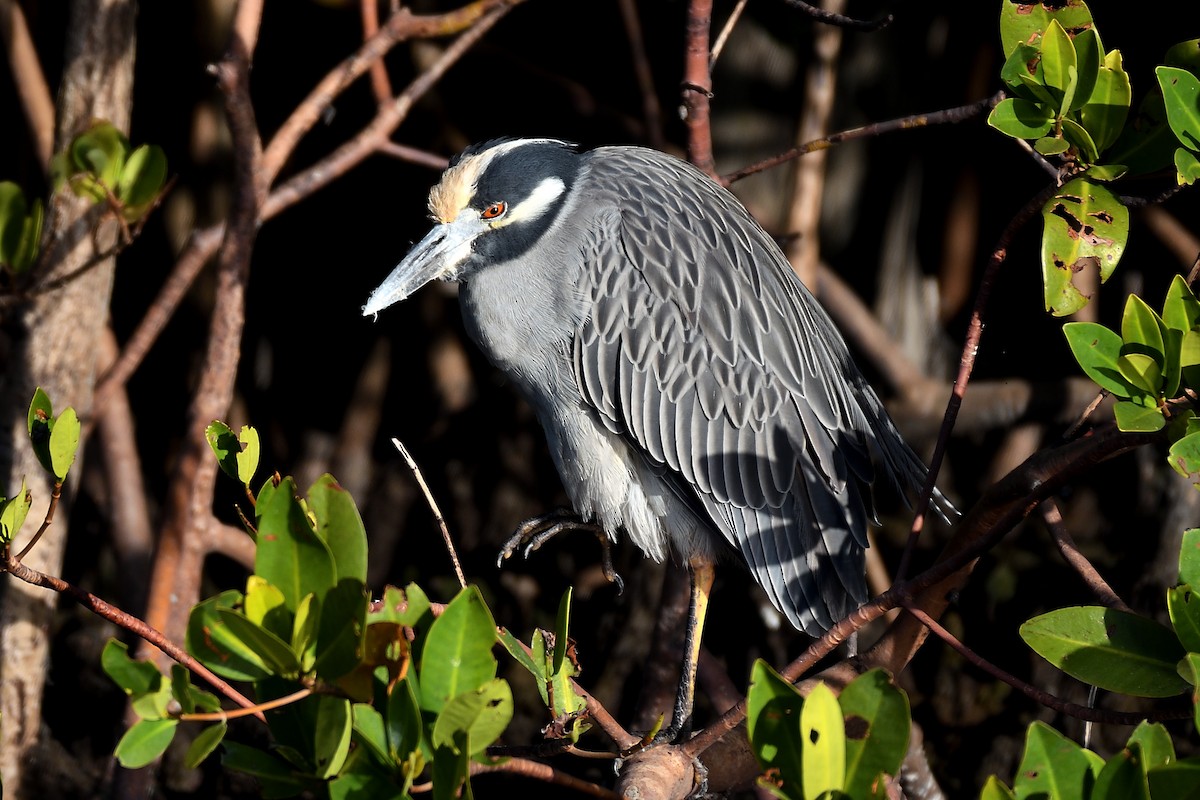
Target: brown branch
414, 155
966, 365
840, 20
697, 86
55, 496
948, 116
1070, 553
29, 80
381, 85
1037, 695
546, 774
128, 622
255, 710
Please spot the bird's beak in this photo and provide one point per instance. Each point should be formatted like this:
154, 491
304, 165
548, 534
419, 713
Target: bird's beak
437, 256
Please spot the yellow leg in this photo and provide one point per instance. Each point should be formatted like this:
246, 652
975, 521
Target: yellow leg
702, 574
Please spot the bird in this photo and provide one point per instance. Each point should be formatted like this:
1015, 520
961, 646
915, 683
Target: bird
694, 395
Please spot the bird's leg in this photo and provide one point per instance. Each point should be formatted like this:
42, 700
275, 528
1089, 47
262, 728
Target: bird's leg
536, 531
701, 572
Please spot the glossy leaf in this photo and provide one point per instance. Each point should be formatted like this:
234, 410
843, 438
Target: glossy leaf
1052, 145
13, 512
331, 738
64, 443
1187, 166
1184, 457
995, 789
773, 709
142, 178
236, 454
274, 652
100, 151
1189, 558
822, 743
341, 629
1143, 372
1147, 143
1112, 649
1053, 766
1025, 22
1155, 743
144, 742
1089, 53
1141, 329
304, 631
1123, 777
204, 744
451, 770
404, 724
290, 555
1183, 605
134, 677
339, 524
1085, 228
1021, 119
265, 606
1136, 417
877, 725
1059, 71
210, 640
515, 649
370, 732
1096, 348
1081, 140
458, 656
482, 714
1181, 96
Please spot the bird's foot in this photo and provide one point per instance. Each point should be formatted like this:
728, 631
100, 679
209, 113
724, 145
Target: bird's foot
536, 531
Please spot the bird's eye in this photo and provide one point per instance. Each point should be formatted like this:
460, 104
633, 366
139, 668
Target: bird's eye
494, 211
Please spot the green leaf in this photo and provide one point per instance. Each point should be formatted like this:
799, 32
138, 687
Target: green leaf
1179, 780
370, 731
290, 555
204, 744
1096, 348
1051, 145
1143, 372
515, 649
189, 697
1081, 140
342, 627
142, 178
1142, 329
331, 740
100, 151
1020, 119
1059, 68
275, 776
144, 742
20, 228
304, 631
1187, 167
1184, 54
1025, 22
404, 724
773, 708
1112, 649
1085, 228
822, 743
211, 641
1181, 310
1053, 766
1088, 55
458, 656
30, 242
1181, 96
1135, 417
483, 714
1022, 74
451, 770
1123, 777
135, 677
1155, 743
1189, 558
13, 512
1184, 608
265, 606
339, 524
1106, 172
1184, 457
64, 441
236, 454
877, 725
274, 652
561, 630
1147, 143
995, 789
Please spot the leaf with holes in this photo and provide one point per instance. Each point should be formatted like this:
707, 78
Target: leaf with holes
773, 726
1086, 228
877, 723
1025, 22
482, 714
1184, 456
822, 743
1181, 95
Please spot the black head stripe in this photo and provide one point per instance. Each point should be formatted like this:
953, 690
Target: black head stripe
513, 175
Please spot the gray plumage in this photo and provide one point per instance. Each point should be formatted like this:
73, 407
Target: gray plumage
693, 392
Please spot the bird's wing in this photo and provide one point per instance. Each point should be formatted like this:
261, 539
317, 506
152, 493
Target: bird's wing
704, 351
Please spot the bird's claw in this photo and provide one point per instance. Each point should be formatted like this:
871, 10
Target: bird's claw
536, 531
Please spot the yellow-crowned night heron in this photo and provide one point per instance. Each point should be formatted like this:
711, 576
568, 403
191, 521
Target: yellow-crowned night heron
693, 392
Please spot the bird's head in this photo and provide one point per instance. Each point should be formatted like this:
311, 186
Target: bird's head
492, 203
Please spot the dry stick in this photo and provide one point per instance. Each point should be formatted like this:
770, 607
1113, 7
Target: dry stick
1032, 692
840, 20
697, 86
1052, 516
545, 773
966, 365
414, 155
948, 116
433, 506
645, 76
1076, 457
1087, 413
727, 29
129, 622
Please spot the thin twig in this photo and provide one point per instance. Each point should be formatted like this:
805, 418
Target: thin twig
1087, 413
651, 110
381, 86
723, 36
948, 116
55, 494
128, 622
966, 365
437, 512
414, 155
1037, 695
545, 773
256, 710
840, 20
1052, 516
29, 80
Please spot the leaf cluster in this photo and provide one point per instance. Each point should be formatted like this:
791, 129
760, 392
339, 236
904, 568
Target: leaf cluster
101, 165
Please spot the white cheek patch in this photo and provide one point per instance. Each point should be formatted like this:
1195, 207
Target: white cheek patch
543, 196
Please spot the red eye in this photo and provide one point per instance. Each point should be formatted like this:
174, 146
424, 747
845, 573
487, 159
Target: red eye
494, 210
